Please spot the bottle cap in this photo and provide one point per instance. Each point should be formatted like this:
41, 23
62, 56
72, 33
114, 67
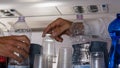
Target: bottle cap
79, 16
21, 19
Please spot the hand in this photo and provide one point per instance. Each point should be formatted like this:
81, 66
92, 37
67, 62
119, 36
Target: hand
11, 44
57, 28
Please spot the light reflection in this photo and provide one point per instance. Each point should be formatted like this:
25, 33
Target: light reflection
28, 0
47, 4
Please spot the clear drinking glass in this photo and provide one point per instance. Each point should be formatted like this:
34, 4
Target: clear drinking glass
65, 57
97, 60
48, 51
38, 61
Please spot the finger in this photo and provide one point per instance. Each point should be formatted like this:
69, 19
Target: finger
23, 38
48, 28
2, 51
20, 37
14, 41
51, 26
22, 45
64, 26
67, 32
8, 51
20, 52
17, 44
59, 31
16, 37
59, 39
56, 32
13, 56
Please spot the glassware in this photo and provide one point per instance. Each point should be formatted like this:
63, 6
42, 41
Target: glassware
114, 31
38, 61
65, 57
100, 46
35, 49
48, 51
97, 60
20, 28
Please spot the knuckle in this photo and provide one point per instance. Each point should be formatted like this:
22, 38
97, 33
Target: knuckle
11, 55
12, 41
59, 18
9, 47
21, 51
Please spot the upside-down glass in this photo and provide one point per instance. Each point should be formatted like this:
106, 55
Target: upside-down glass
65, 57
38, 61
48, 51
97, 60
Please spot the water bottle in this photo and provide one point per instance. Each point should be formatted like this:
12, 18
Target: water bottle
77, 27
48, 51
20, 28
80, 43
114, 54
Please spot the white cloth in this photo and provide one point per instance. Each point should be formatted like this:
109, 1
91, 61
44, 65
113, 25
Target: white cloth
98, 27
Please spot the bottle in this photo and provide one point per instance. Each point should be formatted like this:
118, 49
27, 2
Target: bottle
48, 51
77, 26
20, 28
114, 54
80, 43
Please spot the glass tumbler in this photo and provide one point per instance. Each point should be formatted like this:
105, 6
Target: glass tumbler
97, 60
65, 57
38, 61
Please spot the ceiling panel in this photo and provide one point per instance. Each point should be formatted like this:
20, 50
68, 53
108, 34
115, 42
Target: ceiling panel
66, 9
38, 11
